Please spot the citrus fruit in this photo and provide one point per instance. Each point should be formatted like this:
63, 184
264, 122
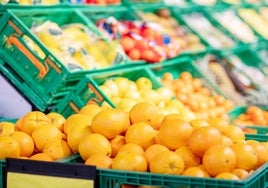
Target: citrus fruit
261, 151
110, 122
57, 149
117, 143
143, 112
240, 173
131, 148
218, 159
246, 156
74, 120
33, 119
130, 162
41, 157
9, 147
25, 142
99, 160
174, 132
195, 171
57, 120
227, 176
167, 162
202, 138
189, 158
7, 128
94, 143
141, 134
153, 150
43, 134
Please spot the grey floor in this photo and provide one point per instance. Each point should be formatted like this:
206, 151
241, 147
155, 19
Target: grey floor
12, 104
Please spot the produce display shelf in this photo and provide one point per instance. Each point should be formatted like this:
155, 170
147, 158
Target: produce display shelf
42, 72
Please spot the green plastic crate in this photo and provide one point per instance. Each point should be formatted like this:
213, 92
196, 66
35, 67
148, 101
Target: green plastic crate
233, 114
108, 178
143, 2
43, 73
87, 89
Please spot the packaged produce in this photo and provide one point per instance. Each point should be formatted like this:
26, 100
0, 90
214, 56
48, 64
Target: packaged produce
255, 20
216, 38
235, 25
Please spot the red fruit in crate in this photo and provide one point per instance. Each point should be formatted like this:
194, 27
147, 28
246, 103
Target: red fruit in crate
134, 54
148, 33
142, 45
150, 56
127, 43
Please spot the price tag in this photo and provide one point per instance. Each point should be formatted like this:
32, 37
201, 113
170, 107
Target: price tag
32, 174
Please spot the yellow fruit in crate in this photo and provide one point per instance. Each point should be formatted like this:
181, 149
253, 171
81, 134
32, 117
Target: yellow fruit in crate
130, 162
122, 84
144, 83
57, 149
195, 171
99, 160
25, 142
74, 120
167, 162
90, 110
94, 143
110, 122
113, 88
76, 134
44, 134
227, 176
33, 119
189, 158
9, 147
7, 128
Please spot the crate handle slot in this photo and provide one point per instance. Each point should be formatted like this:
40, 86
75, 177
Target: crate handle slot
12, 40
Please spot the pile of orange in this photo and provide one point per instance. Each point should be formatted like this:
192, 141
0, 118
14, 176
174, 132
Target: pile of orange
141, 139
147, 141
254, 115
198, 97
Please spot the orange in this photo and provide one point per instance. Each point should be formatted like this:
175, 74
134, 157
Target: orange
235, 133
130, 162
198, 122
141, 134
25, 142
90, 109
218, 123
18, 124
143, 112
57, 149
227, 176
202, 138
76, 120
117, 143
240, 173
246, 156
43, 134
99, 160
174, 132
110, 122
76, 134
94, 143
261, 151
218, 159
134, 54
167, 162
195, 171
127, 43
189, 158
9, 147
131, 148
41, 157
57, 120
7, 128
153, 150
225, 140
33, 119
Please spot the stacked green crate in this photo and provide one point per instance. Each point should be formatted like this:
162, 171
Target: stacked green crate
41, 68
